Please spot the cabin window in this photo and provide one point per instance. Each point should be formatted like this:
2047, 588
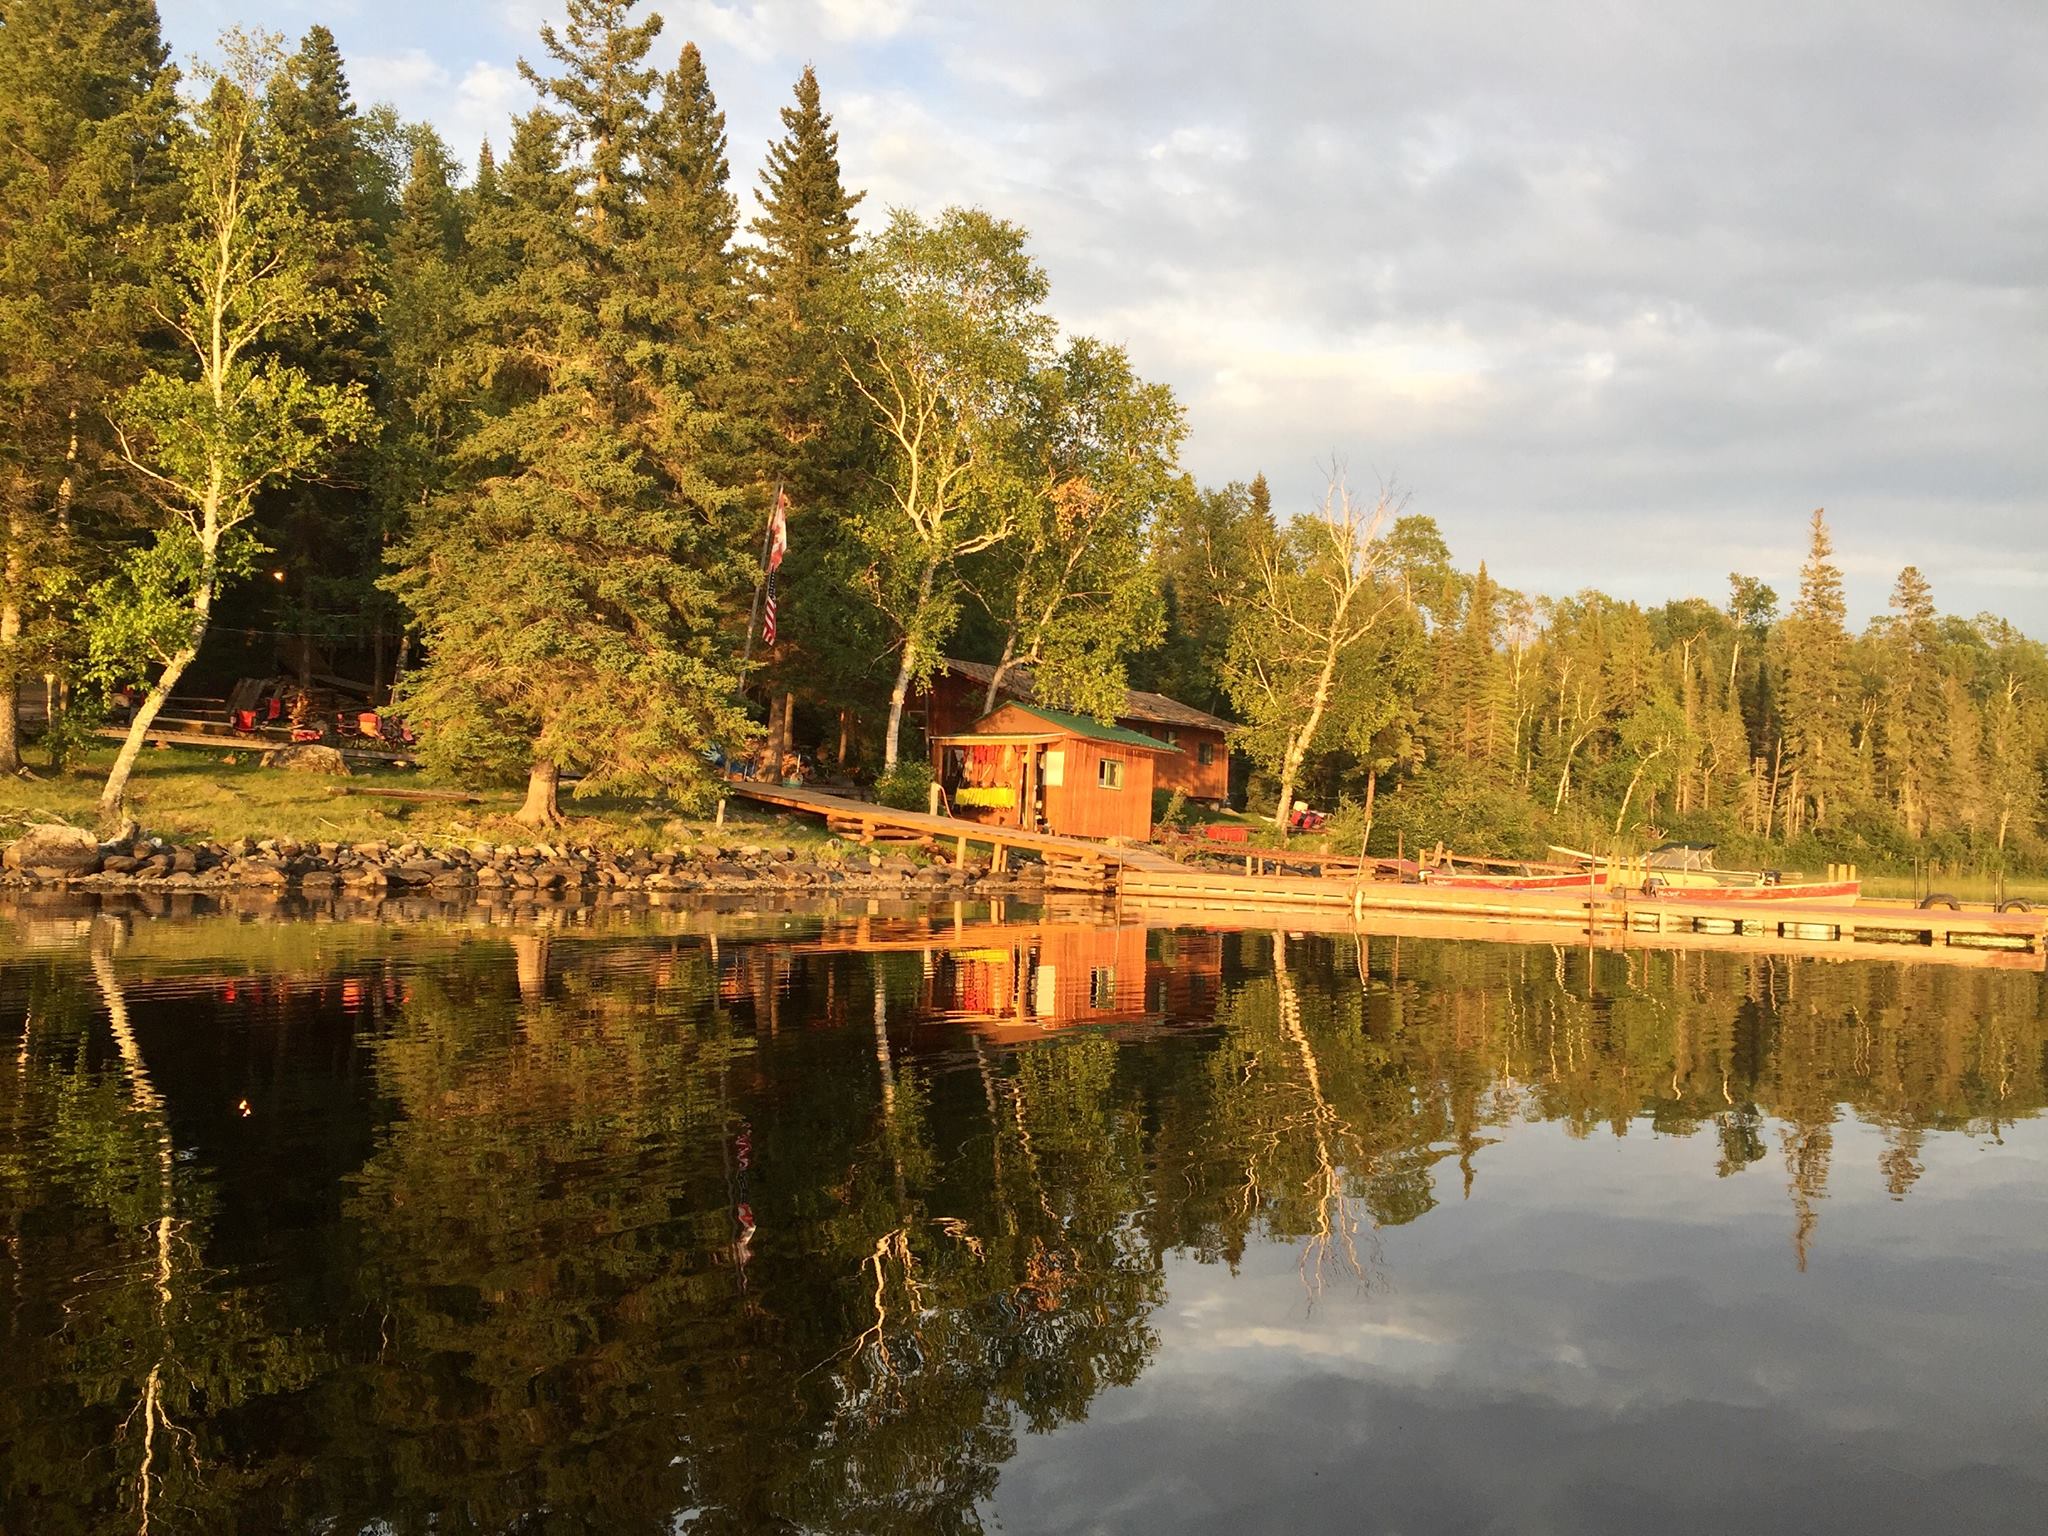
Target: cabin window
1205, 754
1109, 773
1102, 988
1173, 738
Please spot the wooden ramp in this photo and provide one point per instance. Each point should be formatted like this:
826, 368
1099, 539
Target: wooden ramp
869, 822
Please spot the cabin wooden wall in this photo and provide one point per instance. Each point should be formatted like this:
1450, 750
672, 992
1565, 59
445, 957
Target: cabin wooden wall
1186, 771
1080, 807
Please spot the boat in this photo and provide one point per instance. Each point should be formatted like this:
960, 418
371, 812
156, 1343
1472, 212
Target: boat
1687, 872
1466, 872
1461, 880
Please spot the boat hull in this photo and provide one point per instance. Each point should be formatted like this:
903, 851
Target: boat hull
1596, 881
1816, 893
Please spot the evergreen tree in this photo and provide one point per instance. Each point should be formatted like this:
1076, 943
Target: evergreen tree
1818, 708
810, 432
1199, 547
571, 591
87, 105
422, 401
326, 533
1911, 716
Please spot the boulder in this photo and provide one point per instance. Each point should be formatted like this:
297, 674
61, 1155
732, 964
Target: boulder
260, 871
308, 758
54, 850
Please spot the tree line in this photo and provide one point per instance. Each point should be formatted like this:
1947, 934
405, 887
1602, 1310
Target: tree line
288, 384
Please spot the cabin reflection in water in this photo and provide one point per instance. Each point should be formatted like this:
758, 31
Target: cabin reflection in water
1012, 980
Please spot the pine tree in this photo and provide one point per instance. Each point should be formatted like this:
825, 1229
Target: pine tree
570, 592
806, 226
1818, 705
421, 398
325, 534
87, 103
810, 433
686, 263
1911, 716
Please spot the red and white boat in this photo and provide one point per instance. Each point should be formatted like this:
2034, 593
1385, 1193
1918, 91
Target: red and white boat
1686, 872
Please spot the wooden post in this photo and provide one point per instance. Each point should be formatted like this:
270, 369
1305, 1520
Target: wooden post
960, 851
721, 812
788, 742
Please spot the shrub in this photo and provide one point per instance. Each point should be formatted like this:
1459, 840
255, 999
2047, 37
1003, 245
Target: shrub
906, 787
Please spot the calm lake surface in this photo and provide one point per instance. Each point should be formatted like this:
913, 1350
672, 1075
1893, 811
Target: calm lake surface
879, 1219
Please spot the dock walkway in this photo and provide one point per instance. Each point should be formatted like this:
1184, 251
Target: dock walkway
868, 821
1895, 929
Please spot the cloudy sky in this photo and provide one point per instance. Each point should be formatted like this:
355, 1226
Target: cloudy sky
1618, 293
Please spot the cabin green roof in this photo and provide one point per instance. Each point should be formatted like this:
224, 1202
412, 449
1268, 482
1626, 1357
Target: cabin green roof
1084, 725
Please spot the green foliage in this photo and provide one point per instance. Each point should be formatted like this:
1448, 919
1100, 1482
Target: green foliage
573, 577
1071, 589
87, 107
151, 609
942, 329
907, 786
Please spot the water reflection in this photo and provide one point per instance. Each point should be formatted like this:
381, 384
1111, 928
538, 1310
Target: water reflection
851, 1220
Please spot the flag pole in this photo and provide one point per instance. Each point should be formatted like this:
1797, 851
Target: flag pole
761, 577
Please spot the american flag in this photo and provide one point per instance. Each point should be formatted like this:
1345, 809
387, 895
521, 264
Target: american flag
778, 546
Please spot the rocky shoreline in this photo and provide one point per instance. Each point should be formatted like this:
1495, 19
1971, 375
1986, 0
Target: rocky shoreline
67, 858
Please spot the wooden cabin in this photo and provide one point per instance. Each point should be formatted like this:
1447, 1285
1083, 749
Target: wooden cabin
1040, 769
1199, 766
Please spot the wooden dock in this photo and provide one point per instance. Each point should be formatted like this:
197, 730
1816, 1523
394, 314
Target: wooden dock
1885, 930
1149, 885
868, 822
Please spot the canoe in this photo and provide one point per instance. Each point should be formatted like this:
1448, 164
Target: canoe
1590, 880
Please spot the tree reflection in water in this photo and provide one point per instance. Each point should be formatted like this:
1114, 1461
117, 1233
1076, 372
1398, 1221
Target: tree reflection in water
600, 1227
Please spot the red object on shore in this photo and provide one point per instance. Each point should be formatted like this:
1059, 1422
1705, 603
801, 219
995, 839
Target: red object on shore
1223, 832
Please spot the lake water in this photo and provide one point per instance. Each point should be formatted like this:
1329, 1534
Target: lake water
878, 1219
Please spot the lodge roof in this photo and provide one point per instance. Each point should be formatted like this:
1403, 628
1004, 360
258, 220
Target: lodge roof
1151, 708
1059, 723
1085, 726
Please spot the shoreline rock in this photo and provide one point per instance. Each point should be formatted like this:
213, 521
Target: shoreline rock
68, 858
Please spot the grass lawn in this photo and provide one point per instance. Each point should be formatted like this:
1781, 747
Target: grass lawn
1971, 887
187, 794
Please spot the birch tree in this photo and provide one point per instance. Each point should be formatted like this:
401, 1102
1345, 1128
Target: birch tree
238, 273
1315, 598
1072, 590
943, 331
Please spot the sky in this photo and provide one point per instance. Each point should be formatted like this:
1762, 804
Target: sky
1618, 294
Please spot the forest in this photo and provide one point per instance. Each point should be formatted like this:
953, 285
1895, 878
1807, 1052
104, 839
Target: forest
292, 384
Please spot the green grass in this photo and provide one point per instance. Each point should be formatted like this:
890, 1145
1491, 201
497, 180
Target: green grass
1971, 887
190, 794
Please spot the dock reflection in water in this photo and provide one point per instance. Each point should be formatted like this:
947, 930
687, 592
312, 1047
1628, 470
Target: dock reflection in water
894, 1220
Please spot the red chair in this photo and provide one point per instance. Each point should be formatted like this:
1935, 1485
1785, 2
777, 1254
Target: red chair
273, 710
245, 722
